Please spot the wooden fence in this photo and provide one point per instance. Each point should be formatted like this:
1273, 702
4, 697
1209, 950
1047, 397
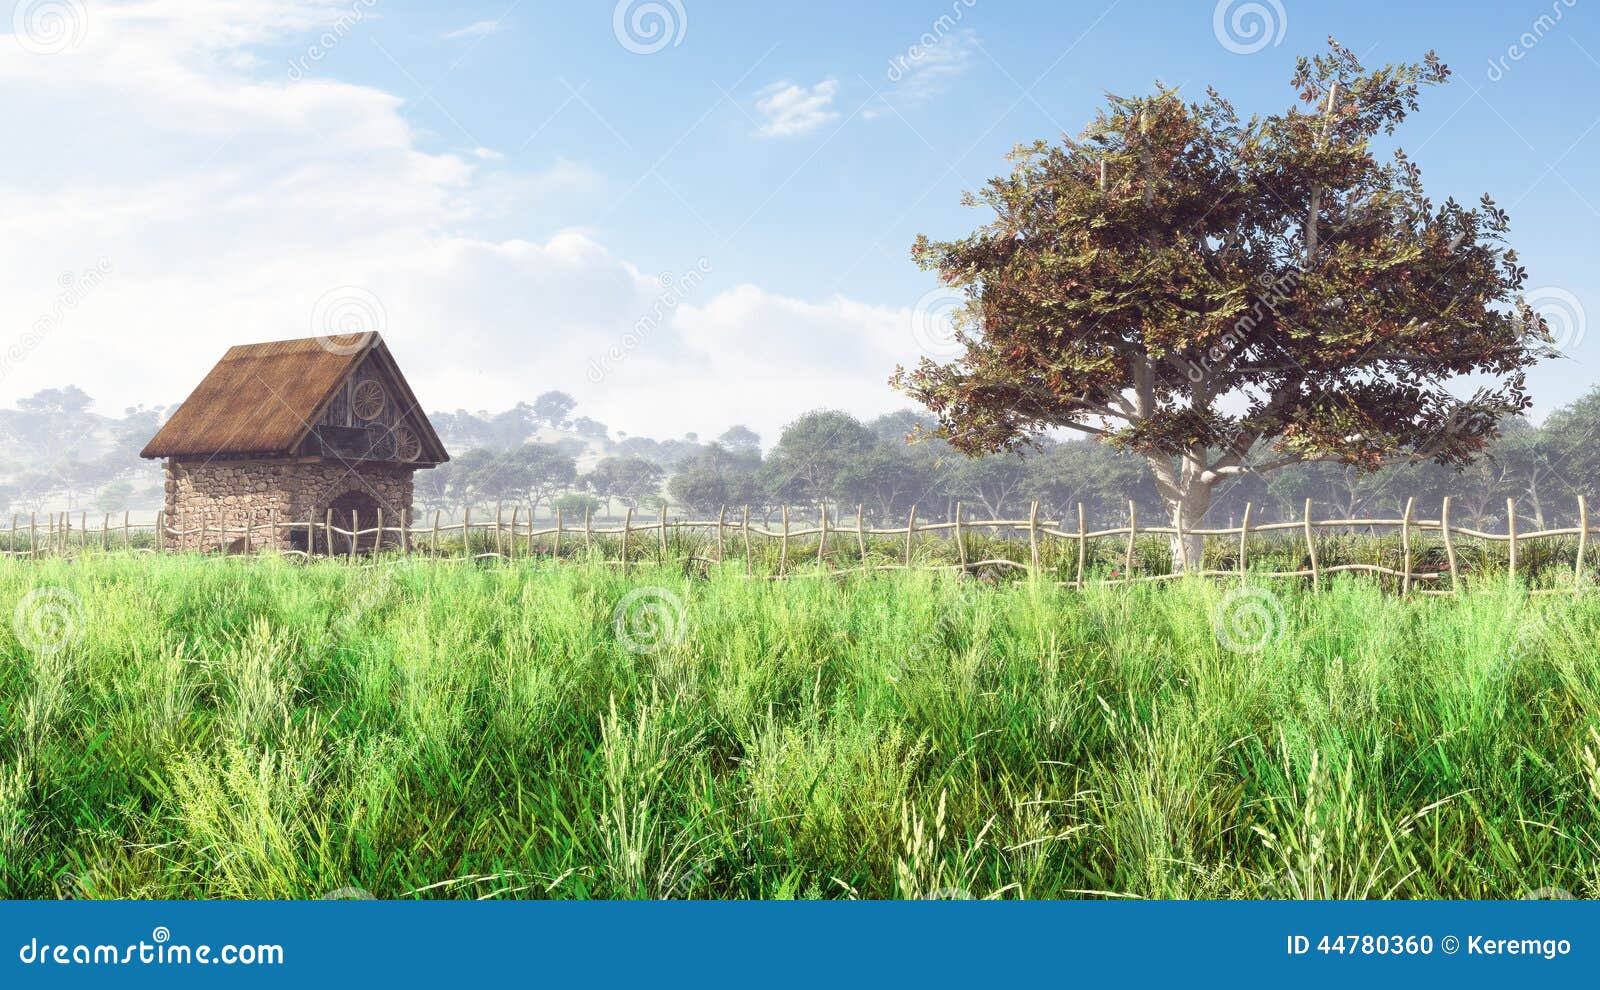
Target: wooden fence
503, 539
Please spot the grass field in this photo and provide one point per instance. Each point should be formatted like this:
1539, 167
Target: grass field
222, 728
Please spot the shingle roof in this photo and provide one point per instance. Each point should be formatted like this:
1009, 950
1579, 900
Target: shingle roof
261, 399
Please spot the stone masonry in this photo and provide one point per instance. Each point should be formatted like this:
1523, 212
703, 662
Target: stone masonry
226, 496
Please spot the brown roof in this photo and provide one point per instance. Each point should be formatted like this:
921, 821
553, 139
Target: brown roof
261, 399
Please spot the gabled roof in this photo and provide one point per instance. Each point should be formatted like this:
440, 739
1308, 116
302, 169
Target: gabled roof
262, 399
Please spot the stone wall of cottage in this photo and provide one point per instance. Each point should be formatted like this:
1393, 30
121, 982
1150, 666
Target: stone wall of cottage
226, 497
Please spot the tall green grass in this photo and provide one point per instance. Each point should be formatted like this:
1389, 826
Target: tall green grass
227, 728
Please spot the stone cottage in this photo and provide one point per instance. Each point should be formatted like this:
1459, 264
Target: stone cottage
287, 431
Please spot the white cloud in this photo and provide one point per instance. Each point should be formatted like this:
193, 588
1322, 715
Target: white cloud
789, 109
477, 29
228, 200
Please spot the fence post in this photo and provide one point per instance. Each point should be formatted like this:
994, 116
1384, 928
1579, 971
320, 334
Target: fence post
555, 546
588, 529
861, 534
911, 527
272, 534
433, 540
1511, 532
1583, 541
822, 537
204, 519
1033, 536
722, 520
13, 540
1133, 532
377, 540
662, 522
1083, 549
161, 532
1183, 544
355, 533
1244, 543
511, 540
405, 530
783, 545
127, 536
1311, 548
105, 533
466, 530
961, 544
627, 524
83, 531
1405, 543
33, 534
748, 560
1449, 544
327, 531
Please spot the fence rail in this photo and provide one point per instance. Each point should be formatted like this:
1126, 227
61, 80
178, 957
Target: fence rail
876, 548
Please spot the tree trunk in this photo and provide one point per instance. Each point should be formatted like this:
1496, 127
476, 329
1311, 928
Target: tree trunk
1188, 514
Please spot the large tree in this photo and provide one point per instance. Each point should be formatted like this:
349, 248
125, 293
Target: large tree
1224, 296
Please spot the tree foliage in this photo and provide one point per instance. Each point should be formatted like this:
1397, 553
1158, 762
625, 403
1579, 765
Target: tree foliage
1223, 296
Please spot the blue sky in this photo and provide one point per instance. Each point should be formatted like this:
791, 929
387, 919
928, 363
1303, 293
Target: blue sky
716, 217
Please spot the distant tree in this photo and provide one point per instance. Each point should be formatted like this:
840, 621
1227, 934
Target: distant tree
811, 453
589, 429
1226, 296
553, 408
431, 489
1102, 478
574, 505
888, 477
993, 482
113, 497
540, 471
900, 425
626, 479
713, 479
510, 429
1572, 445
741, 440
